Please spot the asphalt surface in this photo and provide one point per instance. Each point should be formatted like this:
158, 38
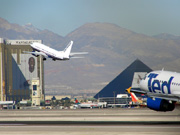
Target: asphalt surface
88, 115
89, 122
89, 130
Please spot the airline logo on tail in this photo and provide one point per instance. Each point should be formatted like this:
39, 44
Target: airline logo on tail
76, 101
134, 98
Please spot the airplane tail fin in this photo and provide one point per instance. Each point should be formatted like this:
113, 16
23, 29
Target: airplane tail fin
67, 50
137, 78
134, 98
76, 101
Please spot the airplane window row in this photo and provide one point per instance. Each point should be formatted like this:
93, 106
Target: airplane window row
173, 83
178, 84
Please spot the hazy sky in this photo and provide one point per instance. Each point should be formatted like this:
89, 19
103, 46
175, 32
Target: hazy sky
149, 17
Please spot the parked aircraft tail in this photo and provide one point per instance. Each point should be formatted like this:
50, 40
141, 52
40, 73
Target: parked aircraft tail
133, 97
76, 101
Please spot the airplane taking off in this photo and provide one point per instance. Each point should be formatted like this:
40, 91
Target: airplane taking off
47, 52
162, 89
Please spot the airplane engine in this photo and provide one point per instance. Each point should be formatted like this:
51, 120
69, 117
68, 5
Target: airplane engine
35, 55
160, 104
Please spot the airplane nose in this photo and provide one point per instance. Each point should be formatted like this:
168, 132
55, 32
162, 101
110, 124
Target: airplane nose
31, 44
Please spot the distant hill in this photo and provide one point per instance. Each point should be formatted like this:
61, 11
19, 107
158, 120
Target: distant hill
126, 45
168, 37
28, 31
111, 49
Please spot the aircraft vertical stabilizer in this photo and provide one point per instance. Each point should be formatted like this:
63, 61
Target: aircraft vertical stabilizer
134, 98
137, 78
67, 50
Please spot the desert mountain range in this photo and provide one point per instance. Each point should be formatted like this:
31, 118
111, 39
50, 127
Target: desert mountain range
111, 49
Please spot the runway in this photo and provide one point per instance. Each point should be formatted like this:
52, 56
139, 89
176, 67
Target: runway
119, 115
89, 130
89, 122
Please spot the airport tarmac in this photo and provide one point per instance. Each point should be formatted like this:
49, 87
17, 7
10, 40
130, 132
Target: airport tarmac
90, 130
90, 122
89, 115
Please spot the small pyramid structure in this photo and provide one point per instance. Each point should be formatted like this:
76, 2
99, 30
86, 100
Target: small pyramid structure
123, 80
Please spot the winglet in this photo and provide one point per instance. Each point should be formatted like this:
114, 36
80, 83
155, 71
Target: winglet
128, 90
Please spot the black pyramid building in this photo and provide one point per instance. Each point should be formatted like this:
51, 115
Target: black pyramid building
123, 80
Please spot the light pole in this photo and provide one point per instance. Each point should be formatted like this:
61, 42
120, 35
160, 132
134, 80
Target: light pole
114, 97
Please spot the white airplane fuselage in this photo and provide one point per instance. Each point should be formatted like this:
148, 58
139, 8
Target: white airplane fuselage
162, 89
162, 82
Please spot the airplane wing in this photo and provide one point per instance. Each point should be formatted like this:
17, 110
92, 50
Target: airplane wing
164, 96
136, 91
36, 53
156, 95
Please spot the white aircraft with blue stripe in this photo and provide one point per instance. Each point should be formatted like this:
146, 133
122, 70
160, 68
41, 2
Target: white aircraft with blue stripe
47, 52
162, 89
